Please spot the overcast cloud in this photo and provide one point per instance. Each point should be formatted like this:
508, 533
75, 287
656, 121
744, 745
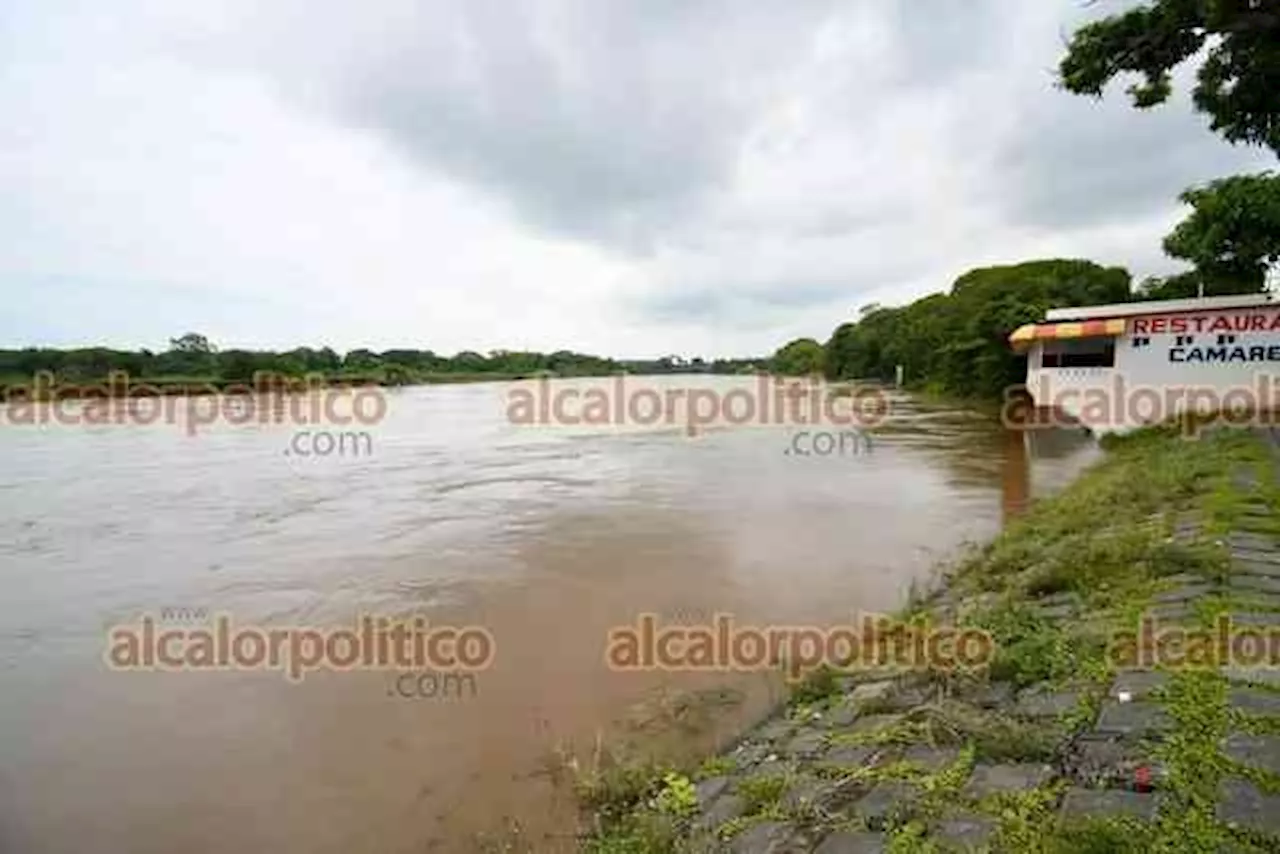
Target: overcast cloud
630, 178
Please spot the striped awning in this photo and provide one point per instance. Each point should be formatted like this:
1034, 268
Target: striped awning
1025, 336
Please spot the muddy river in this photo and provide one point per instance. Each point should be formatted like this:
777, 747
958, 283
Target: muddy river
546, 539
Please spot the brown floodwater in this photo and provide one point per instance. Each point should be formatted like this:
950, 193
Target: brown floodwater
545, 538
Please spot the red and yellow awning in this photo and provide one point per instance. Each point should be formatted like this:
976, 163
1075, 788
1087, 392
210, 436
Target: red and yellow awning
1025, 336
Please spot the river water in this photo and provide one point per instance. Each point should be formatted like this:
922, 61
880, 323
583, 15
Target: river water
545, 538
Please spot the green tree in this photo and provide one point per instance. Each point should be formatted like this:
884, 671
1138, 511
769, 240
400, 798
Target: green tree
361, 360
1177, 286
958, 342
1233, 233
190, 354
801, 357
240, 365
1237, 82
191, 342
469, 361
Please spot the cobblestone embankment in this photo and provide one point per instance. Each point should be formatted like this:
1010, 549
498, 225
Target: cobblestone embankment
1060, 744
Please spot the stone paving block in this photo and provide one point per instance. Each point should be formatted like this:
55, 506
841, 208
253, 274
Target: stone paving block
806, 792
1265, 601
842, 714
1258, 509
966, 831
1016, 777
1182, 593
1045, 705
1244, 805
807, 744
1256, 619
931, 759
774, 730
1057, 613
987, 695
1257, 751
850, 757
1244, 479
1246, 541
1172, 612
721, 810
1250, 582
871, 691
1055, 599
1256, 563
1254, 701
872, 723
768, 837
1186, 531
1256, 675
1183, 579
1059, 606
1131, 718
847, 683
852, 842
1138, 683
1090, 803
1099, 762
907, 698
886, 804
751, 753
710, 789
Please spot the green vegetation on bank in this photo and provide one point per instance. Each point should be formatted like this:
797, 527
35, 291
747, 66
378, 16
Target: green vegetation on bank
958, 342
1149, 518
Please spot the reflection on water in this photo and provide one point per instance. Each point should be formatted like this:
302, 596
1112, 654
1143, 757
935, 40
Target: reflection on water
548, 539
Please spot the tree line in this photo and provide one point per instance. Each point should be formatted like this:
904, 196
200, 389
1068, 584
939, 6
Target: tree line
192, 360
956, 342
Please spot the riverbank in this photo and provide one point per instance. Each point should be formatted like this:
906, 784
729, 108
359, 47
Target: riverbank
47, 386
1063, 742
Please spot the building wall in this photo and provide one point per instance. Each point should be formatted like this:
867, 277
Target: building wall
1168, 363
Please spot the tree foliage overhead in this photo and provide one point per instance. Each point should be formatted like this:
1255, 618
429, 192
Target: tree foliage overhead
958, 342
1233, 233
1237, 83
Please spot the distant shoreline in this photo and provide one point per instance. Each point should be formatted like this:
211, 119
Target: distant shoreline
46, 386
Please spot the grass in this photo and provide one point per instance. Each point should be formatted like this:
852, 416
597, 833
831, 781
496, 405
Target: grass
817, 686
763, 793
1029, 647
1192, 757
715, 766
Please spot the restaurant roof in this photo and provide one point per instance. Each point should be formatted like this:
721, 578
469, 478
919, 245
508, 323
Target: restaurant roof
1166, 306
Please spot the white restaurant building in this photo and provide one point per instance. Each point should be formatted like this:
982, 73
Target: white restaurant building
1115, 368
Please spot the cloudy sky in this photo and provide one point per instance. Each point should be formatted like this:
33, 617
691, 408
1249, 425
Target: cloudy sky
631, 178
